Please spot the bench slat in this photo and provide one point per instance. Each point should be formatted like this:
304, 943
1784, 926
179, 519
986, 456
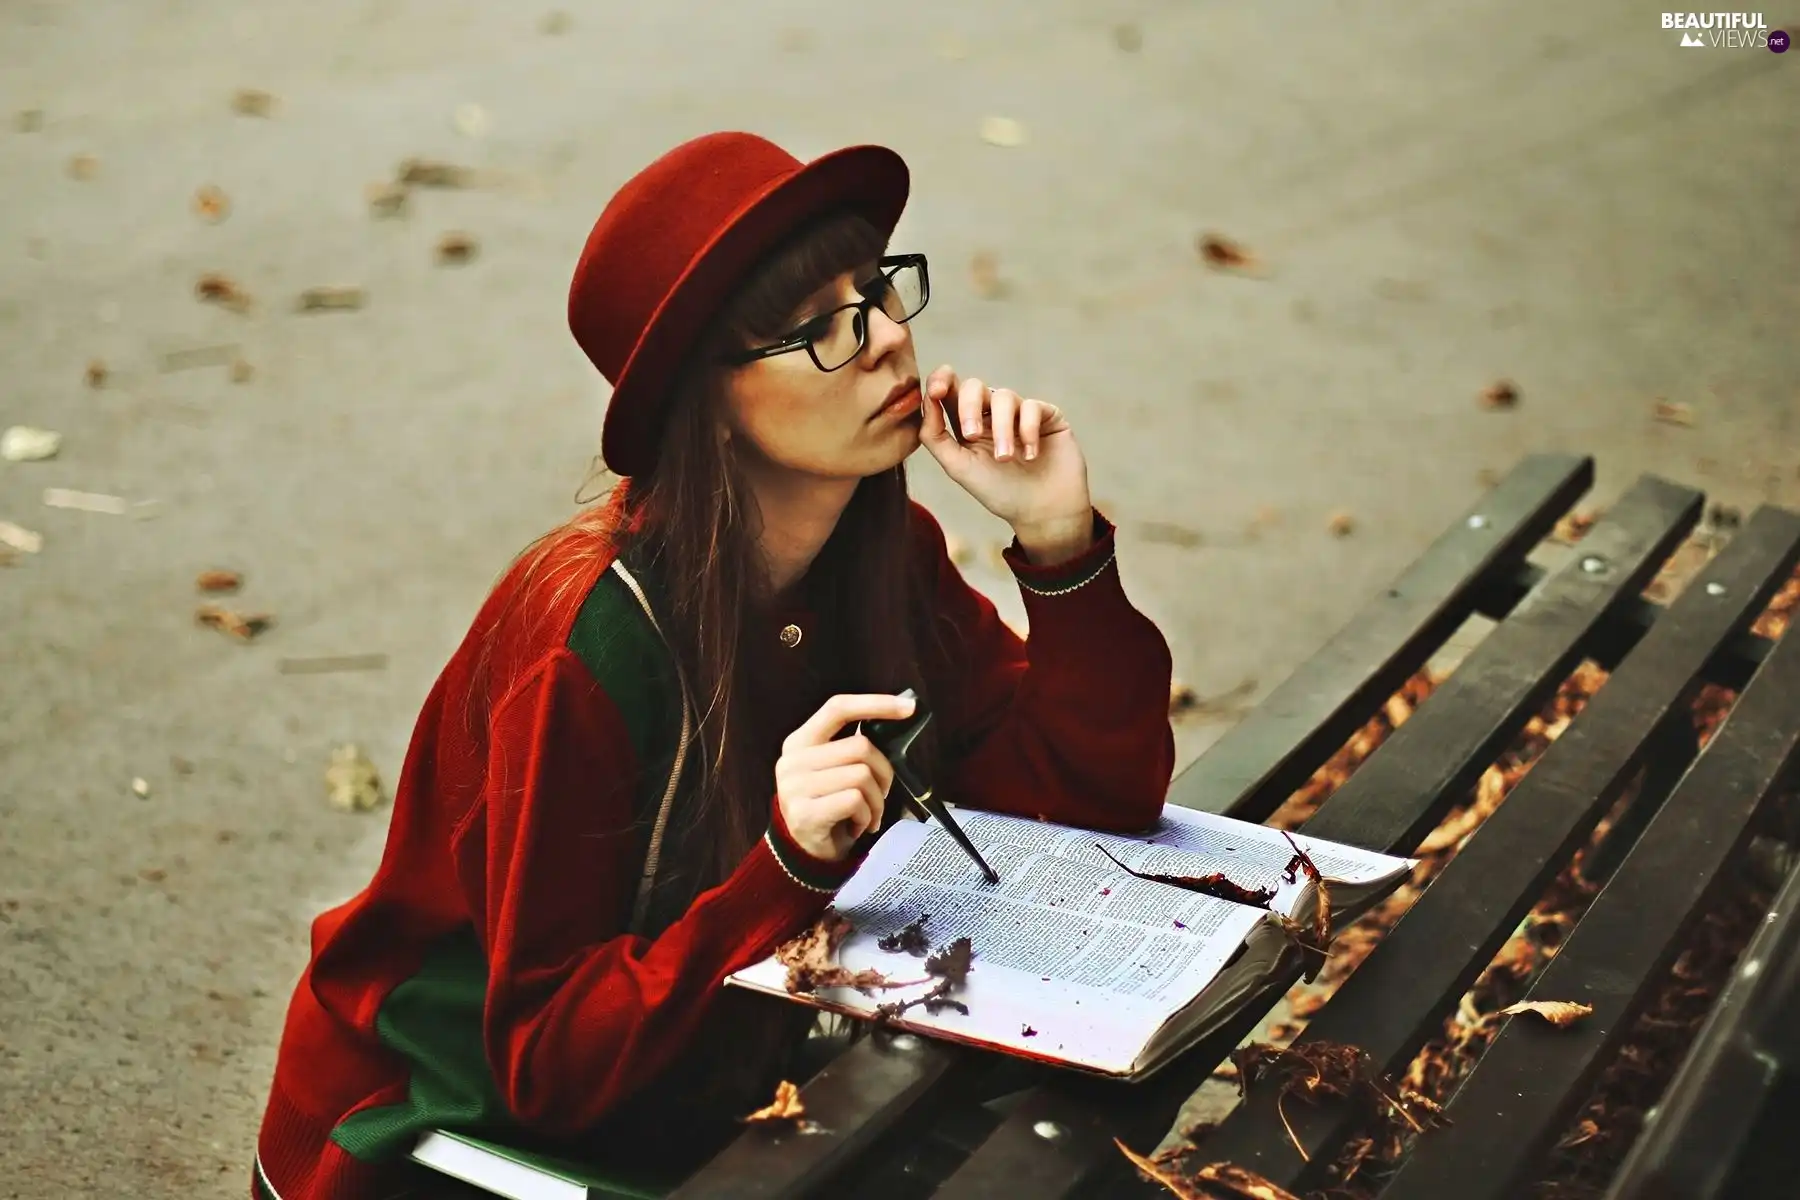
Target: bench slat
1387, 804
1525, 1089
1625, 626
1252, 767
1438, 754
1692, 1140
1398, 998
870, 1091
1302, 723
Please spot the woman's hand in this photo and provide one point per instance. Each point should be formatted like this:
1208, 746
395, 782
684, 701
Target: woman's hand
1017, 456
833, 790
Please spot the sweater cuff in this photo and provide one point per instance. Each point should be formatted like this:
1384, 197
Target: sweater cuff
810, 872
1059, 578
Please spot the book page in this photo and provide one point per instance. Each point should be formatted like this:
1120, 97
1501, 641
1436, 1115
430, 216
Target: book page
1263, 852
1070, 960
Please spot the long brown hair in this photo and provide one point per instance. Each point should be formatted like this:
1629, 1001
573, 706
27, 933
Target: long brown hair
693, 516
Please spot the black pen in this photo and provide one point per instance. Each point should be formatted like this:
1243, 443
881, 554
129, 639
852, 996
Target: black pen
894, 739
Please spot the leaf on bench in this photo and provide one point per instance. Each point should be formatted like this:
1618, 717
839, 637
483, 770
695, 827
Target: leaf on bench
1561, 1013
786, 1106
1214, 1181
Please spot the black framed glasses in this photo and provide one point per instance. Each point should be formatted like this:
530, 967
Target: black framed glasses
834, 339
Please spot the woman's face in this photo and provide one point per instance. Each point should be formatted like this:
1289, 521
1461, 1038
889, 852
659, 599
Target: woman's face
831, 424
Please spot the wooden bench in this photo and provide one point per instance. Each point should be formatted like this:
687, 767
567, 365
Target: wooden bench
897, 1112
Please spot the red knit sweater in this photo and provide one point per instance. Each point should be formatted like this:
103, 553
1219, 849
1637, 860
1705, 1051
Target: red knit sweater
489, 973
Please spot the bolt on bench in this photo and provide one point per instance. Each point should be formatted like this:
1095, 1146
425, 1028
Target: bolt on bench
901, 1117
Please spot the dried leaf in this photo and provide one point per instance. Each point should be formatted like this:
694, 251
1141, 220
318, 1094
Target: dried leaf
27, 443
243, 626
1264, 518
1182, 698
1561, 1013
17, 537
1185, 703
1502, 393
1158, 1173
386, 199
212, 204
1341, 524
1242, 1182
1002, 131
95, 373
951, 964
94, 502
1724, 516
1673, 413
424, 172
214, 288
351, 781
814, 953
910, 940
984, 274
785, 1107
198, 356
252, 102
331, 299
1573, 527
219, 581
950, 967
1215, 884
1222, 254
1170, 534
455, 248
84, 167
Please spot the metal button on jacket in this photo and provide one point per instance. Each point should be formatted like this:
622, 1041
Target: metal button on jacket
790, 636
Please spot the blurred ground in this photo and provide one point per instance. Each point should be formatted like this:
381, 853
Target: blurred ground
1443, 197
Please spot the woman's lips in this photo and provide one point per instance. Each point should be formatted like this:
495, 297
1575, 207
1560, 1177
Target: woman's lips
902, 405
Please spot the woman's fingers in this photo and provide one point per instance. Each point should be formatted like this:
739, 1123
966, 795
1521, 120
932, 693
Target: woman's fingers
851, 810
971, 398
839, 711
941, 383
1003, 410
856, 749
1031, 419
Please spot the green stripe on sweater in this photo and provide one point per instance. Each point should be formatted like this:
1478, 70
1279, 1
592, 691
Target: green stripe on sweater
630, 662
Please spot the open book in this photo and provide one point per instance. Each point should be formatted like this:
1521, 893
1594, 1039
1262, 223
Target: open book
1075, 960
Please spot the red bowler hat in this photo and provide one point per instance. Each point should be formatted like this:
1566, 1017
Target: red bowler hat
678, 238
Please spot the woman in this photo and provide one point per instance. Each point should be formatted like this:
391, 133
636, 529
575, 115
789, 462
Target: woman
629, 781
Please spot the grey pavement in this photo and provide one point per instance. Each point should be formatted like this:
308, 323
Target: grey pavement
1441, 195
